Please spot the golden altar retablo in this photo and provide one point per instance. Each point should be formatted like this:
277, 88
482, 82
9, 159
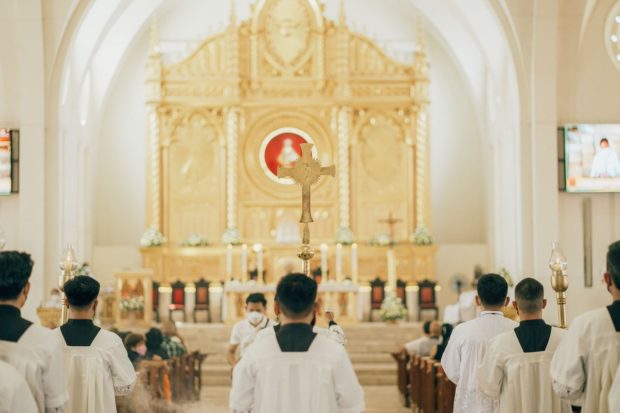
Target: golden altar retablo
288, 66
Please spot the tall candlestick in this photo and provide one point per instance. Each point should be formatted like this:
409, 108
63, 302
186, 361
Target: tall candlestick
391, 264
338, 262
259, 262
229, 259
244, 262
324, 270
354, 264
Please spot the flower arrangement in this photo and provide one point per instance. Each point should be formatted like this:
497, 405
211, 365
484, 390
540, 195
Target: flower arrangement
195, 240
344, 236
83, 269
133, 303
232, 236
152, 238
381, 240
421, 236
392, 308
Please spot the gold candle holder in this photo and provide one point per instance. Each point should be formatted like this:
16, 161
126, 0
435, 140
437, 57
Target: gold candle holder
559, 281
68, 266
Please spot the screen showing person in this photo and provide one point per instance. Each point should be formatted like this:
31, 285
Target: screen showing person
592, 153
5, 162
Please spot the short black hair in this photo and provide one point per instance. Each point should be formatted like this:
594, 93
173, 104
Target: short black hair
256, 298
426, 327
154, 338
296, 294
133, 339
604, 140
529, 294
15, 270
81, 291
492, 290
613, 263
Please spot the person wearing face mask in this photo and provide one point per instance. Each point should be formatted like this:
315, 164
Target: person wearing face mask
97, 364
136, 348
244, 332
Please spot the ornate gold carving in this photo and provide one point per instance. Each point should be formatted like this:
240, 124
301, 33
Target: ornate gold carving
287, 31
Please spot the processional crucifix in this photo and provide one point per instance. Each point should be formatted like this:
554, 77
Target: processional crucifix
306, 172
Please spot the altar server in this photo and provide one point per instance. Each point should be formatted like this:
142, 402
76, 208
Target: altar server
586, 360
614, 393
515, 368
469, 342
296, 370
34, 351
15, 395
97, 365
244, 332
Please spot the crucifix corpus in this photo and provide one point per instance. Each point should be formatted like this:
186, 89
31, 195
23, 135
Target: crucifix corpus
306, 172
391, 221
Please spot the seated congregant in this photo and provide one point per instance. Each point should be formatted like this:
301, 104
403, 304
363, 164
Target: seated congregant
244, 332
97, 365
154, 341
423, 345
515, 368
588, 356
135, 344
172, 342
438, 350
296, 370
36, 352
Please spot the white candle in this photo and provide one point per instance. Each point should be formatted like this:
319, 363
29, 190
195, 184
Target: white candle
338, 262
324, 261
244, 262
229, 258
354, 270
391, 264
259, 262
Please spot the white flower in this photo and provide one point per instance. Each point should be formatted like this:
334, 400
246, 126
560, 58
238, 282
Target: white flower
231, 236
344, 236
381, 240
421, 236
133, 303
152, 238
392, 308
195, 240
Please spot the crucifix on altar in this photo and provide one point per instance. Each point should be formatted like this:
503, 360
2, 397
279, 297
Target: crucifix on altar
306, 172
391, 222
391, 259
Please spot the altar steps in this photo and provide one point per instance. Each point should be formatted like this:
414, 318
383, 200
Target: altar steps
369, 347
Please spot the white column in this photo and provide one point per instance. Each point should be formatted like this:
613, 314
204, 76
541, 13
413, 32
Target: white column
155, 168
232, 138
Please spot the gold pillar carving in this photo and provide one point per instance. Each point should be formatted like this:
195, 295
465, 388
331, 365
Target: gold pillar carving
422, 135
344, 130
154, 95
232, 138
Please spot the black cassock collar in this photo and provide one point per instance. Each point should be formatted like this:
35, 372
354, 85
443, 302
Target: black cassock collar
533, 335
614, 312
295, 337
12, 325
79, 332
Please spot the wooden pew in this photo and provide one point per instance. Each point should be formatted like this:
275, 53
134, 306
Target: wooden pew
402, 376
445, 392
429, 385
415, 383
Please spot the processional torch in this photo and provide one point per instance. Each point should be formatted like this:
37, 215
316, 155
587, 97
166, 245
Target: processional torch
68, 267
559, 281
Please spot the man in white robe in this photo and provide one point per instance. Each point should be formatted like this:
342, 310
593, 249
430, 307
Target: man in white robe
333, 331
15, 396
296, 370
614, 393
244, 332
585, 362
469, 342
515, 368
98, 367
424, 345
34, 351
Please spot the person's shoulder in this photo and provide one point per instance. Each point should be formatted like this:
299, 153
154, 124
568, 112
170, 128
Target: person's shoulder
239, 325
591, 319
39, 335
265, 332
108, 339
503, 339
328, 347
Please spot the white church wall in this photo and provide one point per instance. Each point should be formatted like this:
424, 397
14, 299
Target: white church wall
588, 90
458, 184
21, 106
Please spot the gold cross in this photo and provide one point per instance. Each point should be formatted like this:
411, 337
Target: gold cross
306, 172
391, 221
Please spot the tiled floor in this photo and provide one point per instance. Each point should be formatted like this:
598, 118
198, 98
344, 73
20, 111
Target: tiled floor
379, 399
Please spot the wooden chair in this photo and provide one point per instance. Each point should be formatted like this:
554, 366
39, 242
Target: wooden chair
377, 295
202, 299
156, 301
415, 382
402, 376
427, 299
429, 385
178, 300
401, 291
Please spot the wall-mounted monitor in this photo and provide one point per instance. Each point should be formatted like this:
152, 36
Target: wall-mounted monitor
9, 161
590, 157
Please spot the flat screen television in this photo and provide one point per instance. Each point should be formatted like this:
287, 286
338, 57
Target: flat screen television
589, 157
9, 161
